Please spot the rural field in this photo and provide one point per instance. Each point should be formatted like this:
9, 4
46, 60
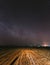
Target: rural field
24, 56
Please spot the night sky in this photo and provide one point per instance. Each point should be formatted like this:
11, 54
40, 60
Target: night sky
24, 23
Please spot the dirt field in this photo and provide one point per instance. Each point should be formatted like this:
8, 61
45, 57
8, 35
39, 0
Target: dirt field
25, 56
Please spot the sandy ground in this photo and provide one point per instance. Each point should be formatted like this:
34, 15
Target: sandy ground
25, 56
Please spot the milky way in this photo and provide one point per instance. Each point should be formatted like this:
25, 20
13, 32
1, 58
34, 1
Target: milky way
17, 34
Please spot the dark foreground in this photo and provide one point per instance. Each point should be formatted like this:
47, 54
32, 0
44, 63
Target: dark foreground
24, 56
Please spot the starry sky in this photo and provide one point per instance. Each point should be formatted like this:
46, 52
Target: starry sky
24, 23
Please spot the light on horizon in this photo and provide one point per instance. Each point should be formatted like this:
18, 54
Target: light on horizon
45, 44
